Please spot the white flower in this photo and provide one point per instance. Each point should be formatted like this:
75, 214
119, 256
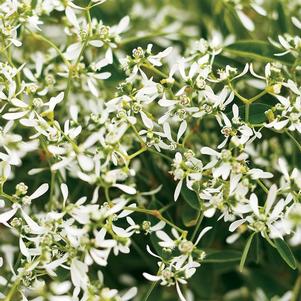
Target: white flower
264, 219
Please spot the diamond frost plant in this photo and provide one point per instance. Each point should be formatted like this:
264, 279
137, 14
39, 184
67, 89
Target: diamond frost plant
150, 150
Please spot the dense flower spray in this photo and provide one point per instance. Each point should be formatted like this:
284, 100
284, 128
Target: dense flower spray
119, 143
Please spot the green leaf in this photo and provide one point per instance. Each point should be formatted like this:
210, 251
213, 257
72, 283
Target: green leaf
190, 197
189, 215
283, 20
285, 252
268, 281
232, 21
203, 283
256, 114
221, 61
222, 256
245, 252
258, 50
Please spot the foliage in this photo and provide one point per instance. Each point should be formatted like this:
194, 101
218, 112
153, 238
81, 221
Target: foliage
150, 150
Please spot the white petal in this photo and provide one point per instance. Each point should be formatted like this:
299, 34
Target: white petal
120, 231
209, 151
203, 232
65, 192
296, 22
85, 162
254, 203
125, 188
283, 167
232, 238
146, 121
164, 237
284, 42
73, 51
61, 164
277, 209
151, 277
271, 198
158, 226
40, 191
78, 273
6, 216
236, 224
123, 24
130, 294
19, 103
178, 190
23, 248
34, 227
167, 131
98, 257
182, 129
182, 298
71, 16
14, 116
245, 20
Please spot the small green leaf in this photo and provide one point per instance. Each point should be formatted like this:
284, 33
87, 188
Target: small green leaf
189, 215
256, 114
222, 256
190, 197
285, 252
245, 252
258, 50
283, 20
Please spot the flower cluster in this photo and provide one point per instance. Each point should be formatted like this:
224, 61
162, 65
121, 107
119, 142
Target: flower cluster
115, 141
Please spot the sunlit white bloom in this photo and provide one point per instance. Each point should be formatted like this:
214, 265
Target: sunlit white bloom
265, 219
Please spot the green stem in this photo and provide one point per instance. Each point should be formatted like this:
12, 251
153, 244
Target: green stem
7, 196
74, 145
199, 221
13, 289
9, 59
107, 194
153, 285
247, 112
266, 236
68, 87
154, 69
158, 72
261, 184
245, 252
158, 215
143, 37
52, 183
137, 134
74, 67
296, 290
137, 153
243, 99
88, 16
262, 93
40, 37
17, 282
246, 101
160, 154
148, 293
294, 139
